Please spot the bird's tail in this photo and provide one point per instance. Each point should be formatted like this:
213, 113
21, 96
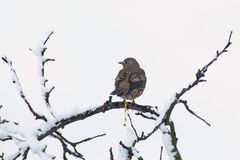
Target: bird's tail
117, 92
114, 92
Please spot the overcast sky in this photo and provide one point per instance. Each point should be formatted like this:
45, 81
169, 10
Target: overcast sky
170, 39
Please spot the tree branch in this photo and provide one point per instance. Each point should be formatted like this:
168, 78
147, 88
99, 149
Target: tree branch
170, 141
90, 112
184, 102
64, 141
39, 51
134, 129
90, 138
161, 151
20, 90
162, 120
131, 151
66, 149
165, 115
11, 157
111, 154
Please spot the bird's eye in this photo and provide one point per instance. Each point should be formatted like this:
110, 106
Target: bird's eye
126, 62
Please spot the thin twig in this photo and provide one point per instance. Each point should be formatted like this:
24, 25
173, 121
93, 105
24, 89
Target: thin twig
49, 35
66, 149
111, 154
64, 141
5, 139
90, 138
134, 129
161, 152
152, 117
184, 102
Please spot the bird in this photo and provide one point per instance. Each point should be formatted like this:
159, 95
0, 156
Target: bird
130, 82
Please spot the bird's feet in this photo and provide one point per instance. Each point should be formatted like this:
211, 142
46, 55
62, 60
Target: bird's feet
133, 103
107, 104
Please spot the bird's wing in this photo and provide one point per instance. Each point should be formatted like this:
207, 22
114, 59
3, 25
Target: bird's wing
137, 83
138, 76
121, 83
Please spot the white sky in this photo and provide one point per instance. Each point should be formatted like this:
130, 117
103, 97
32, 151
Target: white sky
170, 39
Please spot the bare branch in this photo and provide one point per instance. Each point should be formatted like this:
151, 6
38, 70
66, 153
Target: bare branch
184, 102
161, 151
66, 149
90, 138
48, 60
74, 144
6, 139
64, 141
134, 129
111, 154
152, 117
49, 35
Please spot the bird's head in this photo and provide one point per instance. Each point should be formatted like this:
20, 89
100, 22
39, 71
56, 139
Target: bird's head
129, 63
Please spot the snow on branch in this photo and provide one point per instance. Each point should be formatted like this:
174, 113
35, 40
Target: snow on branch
31, 141
76, 116
23, 140
170, 142
39, 51
15, 80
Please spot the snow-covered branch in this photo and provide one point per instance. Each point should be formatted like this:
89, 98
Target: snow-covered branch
32, 140
131, 152
16, 81
72, 117
170, 142
39, 51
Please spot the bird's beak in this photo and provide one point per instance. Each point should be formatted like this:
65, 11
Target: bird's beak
121, 63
